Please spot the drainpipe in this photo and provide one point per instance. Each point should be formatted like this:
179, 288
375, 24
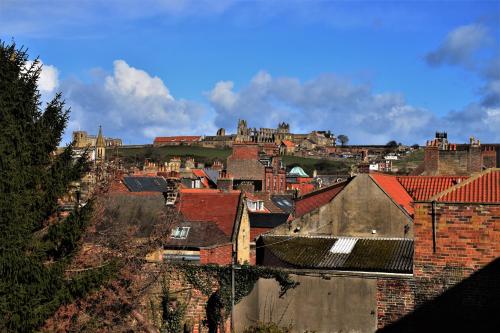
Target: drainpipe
434, 225
233, 259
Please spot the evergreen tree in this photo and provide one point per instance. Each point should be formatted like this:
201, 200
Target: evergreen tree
33, 252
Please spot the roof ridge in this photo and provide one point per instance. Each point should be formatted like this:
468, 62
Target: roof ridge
334, 237
323, 189
467, 181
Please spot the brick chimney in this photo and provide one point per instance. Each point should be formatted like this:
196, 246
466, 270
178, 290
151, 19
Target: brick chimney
224, 182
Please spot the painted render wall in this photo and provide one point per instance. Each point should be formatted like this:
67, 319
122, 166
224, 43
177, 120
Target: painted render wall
357, 210
331, 304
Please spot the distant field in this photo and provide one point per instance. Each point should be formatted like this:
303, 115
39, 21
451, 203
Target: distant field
137, 156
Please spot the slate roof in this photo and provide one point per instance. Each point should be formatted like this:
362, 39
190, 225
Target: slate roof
283, 202
310, 201
266, 220
390, 255
425, 187
210, 205
212, 175
481, 188
145, 184
201, 234
269, 204
393, 188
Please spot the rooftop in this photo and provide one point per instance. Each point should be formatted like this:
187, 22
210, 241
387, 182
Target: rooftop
145, 184
200, 234
166, 139
393, 188
424, 187
313, 200
211, 206
481, 188
390, 255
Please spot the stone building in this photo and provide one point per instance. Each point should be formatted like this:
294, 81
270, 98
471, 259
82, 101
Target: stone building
100, 147
82, 140
262, 135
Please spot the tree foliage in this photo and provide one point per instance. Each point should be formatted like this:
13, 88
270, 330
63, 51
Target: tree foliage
344, 139
34, 253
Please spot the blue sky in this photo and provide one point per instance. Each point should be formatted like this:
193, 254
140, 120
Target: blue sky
374, 70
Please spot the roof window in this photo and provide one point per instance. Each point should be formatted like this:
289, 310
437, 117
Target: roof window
180, 232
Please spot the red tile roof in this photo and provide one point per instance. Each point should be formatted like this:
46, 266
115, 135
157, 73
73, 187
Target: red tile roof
288, 143
199, 173
210, 205
166, 139
482, 188
256, 232
424, 187
309, 202
393, 188
202, 175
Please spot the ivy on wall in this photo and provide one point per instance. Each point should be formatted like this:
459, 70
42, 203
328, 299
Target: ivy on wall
218, 307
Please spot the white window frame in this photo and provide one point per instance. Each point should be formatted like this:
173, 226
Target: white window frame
180, 232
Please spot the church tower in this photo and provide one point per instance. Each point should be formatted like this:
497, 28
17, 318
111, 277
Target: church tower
100, 147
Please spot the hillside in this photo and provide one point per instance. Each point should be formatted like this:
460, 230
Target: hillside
137, 155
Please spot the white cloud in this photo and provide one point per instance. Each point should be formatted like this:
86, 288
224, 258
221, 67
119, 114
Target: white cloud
49, 77
134, 105
326, 102
137, 83
460, 46
472, 47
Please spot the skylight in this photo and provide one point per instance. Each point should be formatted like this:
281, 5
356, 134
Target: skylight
180, 232
344, 245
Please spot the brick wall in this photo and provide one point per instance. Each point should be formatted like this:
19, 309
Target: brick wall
431, 159
467, 239
465, 160
454, 287
395, 298
489, 156
220, 255
453, 162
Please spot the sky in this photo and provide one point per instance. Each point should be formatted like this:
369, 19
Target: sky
373, 70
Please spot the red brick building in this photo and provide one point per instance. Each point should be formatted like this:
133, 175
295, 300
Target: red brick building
444, 158
456, 263
252, 170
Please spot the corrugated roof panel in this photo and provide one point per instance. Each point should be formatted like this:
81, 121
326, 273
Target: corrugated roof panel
367, 254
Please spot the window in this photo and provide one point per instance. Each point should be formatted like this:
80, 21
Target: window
255, 205
180, 232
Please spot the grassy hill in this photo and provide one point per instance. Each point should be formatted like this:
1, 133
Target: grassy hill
410, 162
137, 155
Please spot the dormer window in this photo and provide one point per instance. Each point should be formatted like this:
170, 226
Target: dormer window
255, 205
180, 232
